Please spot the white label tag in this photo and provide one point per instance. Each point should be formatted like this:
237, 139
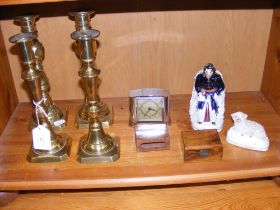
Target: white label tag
41, 138
105, 124
59, 122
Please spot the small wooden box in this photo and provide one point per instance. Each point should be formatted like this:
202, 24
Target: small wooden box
151, 137
202, 145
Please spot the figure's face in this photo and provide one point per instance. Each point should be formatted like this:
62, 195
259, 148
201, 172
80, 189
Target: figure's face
236, 119
239, 117
208, 73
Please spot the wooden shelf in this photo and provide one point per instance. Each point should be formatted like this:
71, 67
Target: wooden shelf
17, 2
134, 168
255, 194
141, 32
174, 5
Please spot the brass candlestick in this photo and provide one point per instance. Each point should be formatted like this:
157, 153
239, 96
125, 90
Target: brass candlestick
96, 146
82, 23
59, 143
56, 116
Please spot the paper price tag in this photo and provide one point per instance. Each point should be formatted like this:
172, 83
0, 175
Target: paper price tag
41, 138
105, 124
59, 122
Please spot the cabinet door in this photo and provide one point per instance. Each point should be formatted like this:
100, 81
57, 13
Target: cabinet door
8, 96
271, 76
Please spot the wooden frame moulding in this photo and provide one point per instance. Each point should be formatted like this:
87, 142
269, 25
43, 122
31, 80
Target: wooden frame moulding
270, 83
8, 96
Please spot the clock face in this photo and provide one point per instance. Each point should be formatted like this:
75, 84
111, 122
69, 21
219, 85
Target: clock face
149, 109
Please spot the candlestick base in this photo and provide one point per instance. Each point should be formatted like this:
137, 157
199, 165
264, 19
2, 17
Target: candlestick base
43, 156
112, 155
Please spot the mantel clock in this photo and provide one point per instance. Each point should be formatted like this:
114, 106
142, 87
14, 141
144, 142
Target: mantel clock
149, 114
149, 105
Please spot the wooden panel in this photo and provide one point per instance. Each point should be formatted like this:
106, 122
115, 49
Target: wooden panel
8, 96
138, 168
270, 84
11, 2
261, 194
7, 197
277, 180
125, 5
154, 49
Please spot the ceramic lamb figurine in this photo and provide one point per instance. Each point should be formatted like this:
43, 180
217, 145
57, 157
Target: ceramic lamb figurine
247, 134
207, 104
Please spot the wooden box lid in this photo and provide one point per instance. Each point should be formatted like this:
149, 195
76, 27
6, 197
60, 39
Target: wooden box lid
202, 145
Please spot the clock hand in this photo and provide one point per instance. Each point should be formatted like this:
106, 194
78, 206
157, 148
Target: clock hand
152, 109
149, 109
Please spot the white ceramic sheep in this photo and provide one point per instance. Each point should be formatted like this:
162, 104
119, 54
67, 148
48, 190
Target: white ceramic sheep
247, 134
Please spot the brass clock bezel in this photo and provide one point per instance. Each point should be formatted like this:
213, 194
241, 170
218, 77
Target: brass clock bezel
149, 109
148, 94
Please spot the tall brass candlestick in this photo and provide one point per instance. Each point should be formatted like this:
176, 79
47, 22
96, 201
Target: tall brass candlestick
59, 144
56, 115
82, 23
96, 146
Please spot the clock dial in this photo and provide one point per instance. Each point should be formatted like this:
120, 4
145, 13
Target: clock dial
148, 105
149, 109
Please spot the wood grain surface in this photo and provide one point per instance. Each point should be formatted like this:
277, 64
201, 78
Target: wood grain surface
148, 140
256, 194
202, 145
153, 49
139, 169
277, 180
7, 197
17, 2
270, 84
8, 96
124, 5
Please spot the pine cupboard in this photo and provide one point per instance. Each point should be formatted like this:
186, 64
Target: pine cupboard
145, 44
